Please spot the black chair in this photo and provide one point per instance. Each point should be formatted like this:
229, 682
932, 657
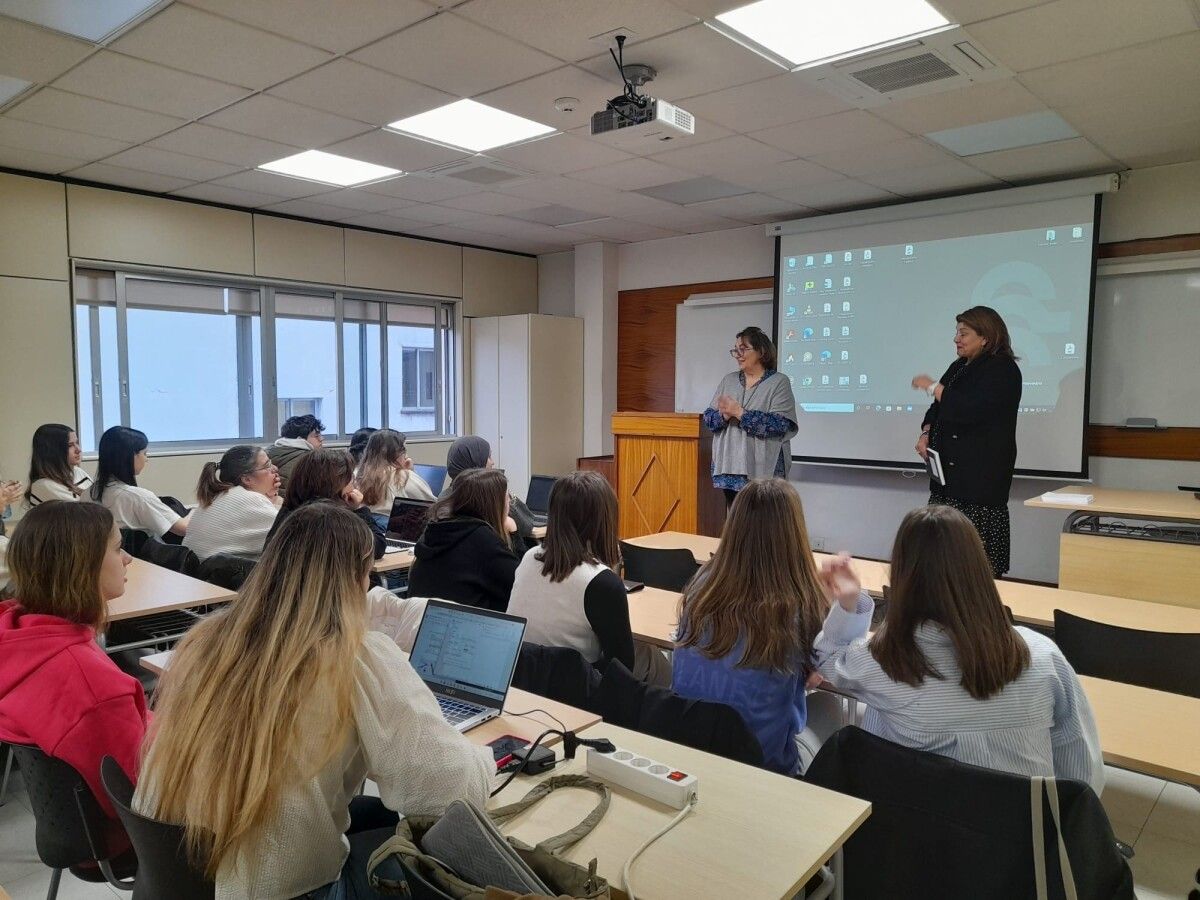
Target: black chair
163, 867
132, 540
660, 568
226, 570
1152, 659
175, 506
170, 556
72, 831
559, 673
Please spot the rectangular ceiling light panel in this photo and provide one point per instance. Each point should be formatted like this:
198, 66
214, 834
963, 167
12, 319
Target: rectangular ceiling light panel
470, 125
329, 168
92, 20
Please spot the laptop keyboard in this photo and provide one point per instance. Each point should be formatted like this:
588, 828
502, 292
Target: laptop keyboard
455, 711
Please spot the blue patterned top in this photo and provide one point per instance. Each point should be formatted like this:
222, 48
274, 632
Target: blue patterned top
756, 423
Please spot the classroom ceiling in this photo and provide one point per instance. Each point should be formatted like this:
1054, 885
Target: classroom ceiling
192, 98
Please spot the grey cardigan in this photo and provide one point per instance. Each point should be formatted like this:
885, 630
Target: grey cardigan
751, 448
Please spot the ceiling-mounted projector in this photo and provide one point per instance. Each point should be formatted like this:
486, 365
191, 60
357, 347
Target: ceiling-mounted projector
635, 120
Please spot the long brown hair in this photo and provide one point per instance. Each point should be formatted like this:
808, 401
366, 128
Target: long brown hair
320, 475
582, 525
377, 472
476, 494
54, 561
986, 323
50, 458
940, 573
259, 696
761, 587
216, 478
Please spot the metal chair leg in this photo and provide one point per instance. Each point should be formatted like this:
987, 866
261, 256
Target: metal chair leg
7, 769
54, 880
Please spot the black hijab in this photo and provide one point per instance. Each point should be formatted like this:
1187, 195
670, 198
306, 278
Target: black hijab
470, 452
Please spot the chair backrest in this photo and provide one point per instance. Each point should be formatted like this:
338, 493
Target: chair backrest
226, 570
132, 540
435, 476
163, 867
1153, 659
560, 673
668, 569
71, 829
170, 556
175, 505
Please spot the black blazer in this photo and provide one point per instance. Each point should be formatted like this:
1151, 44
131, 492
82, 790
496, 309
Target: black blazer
976, 425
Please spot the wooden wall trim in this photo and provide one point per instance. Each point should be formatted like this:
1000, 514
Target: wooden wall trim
1176, 243
1137, 443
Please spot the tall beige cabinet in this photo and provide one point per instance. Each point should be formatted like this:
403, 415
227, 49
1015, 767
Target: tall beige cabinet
527, 393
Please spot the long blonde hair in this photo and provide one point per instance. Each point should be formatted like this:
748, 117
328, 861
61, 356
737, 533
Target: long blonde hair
377, 472
761, 587
258, 697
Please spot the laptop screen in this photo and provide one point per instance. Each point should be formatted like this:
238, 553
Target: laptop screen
435, 476
408, 519
538, 496
463, 650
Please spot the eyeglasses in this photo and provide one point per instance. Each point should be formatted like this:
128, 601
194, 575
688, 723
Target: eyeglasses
739, 352
269, 467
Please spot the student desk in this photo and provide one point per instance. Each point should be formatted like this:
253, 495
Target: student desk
526, 727
754, 834
398, 561
151, 589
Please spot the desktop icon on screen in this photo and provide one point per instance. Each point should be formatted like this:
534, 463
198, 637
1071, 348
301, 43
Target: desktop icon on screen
1069, 349
866, 254
826, 356
829, 259
862, 379
844, 380
791, 358
791, 262
1077, 232
791, 335
807, 382
847, 256
846, 282
808, 357
845, 331
908, 249
828, 284
808, 261
845, 306
807, 334
809, 285
826, 331
845, 356
791, 288
1051, 234
808, 310
791, 311
887, 409
828, 307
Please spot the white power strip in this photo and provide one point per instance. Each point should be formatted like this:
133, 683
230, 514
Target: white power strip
643, 776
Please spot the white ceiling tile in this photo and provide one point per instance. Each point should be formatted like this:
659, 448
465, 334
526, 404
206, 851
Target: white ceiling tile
632, 174
36, 54
118, 175
1150, 111
460, 235
219, 193
241, 150
620, 230
1071, 29
949, 175
513, 228
903, 154
360, 200
756, 208
1073, 157
135, 82
88, 20
176, 165
490, 203
726, 158
686, 219
836, 195
311, 209
338, 26
787, 174
554, 214
36, 160
432, 214
360, 92
764, 104
422, 188
278, 186
22, 135
386, 148
559, 153
967, 11
695, 60
707, 9
63, 110
584, 196
564, 28
828, 133
208, 45
385, 222
452, 54
534, 97
965, 106
277, 120
1158, 145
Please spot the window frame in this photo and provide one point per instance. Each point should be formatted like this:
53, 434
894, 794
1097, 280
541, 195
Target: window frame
447, 334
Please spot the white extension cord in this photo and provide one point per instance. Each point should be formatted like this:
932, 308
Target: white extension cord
692, 801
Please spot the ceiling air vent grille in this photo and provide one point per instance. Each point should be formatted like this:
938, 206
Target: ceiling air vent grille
479, 171
905, 73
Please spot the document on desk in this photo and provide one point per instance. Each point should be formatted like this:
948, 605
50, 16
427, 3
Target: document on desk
1065, 499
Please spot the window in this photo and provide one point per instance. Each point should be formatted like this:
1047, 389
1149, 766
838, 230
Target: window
200, 362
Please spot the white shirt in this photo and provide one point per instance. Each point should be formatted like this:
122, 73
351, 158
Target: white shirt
137, 508
399, 740
414, 487
397, 617
4, 564
48, 489
1039, 724
555, 612
236, 522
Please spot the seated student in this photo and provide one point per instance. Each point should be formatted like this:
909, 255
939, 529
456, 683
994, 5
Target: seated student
328, 475
298, 436
568, 588
9, 492
275, 709
58, 689
386, 473
474, 452
239, 499
748, 619
122, 457
464, 554
948, 673
358, 443
54, 472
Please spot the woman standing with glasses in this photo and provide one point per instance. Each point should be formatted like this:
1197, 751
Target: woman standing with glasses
752, 417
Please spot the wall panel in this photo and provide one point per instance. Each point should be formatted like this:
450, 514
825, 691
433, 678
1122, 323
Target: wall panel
394, 263
33, 226
303, 251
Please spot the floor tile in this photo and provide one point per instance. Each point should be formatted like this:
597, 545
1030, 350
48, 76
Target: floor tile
1163, 867
34, 887
18, 854
1177, 815
1128, 799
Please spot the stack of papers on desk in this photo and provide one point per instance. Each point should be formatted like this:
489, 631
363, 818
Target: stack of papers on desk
1065, 499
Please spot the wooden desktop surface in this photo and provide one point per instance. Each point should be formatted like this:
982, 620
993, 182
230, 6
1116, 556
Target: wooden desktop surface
1151, 504
151, 589
754, 834
394, 562
1031, 604
1148, 731
525, 715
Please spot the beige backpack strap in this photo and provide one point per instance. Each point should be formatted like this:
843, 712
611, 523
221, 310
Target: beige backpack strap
1063, 860
1038, 835
543, 789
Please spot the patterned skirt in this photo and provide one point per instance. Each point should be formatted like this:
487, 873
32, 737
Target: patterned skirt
992, 524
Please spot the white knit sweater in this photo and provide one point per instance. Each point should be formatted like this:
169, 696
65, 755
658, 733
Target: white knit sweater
236, 522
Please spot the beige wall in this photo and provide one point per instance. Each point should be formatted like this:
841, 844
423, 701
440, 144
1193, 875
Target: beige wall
43, 224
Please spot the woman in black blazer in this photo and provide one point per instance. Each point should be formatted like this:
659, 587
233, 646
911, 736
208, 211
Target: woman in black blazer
972, 424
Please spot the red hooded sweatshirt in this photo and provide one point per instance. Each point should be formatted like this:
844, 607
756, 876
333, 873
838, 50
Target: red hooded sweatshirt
61, 693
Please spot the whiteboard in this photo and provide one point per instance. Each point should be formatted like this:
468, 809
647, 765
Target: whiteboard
705, 325
1146, 345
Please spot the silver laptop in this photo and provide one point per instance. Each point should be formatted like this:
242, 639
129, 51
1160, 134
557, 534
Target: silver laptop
537, 498
406, 522
467, 656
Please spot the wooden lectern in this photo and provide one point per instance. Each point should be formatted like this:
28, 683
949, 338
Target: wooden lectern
664, 475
